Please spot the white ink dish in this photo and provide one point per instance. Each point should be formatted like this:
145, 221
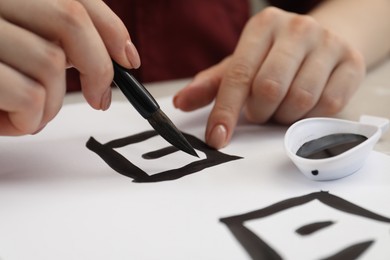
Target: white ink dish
306, 132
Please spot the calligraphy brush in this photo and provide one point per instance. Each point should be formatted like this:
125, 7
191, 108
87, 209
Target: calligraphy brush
149, 109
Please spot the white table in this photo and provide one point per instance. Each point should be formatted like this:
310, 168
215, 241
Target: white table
58, 200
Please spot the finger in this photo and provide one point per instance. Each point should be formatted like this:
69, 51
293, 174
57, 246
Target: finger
39, 60
67, 22
202, 90
113, 33
343, 82
309, 83
237, 79
21, 103
292, 44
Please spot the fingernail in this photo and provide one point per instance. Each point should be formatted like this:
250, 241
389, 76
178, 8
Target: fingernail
175, 101
132, 55
106, 99
217, 137
39, 129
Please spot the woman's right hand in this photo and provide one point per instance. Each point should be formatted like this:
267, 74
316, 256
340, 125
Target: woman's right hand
40, 39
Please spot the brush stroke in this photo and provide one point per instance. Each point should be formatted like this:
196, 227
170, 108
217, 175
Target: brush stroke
257, 248
313, 227
351, 252
123, 166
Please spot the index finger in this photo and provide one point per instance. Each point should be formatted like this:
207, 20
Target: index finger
248, 56
67, 22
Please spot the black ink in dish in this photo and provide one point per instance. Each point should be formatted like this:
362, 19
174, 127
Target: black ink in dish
330, 145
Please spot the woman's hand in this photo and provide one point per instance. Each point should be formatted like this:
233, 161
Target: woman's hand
285, 67
40, 39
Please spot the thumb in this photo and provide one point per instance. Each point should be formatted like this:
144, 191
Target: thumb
202, 90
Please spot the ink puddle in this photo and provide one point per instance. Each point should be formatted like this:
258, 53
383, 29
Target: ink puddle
330, 145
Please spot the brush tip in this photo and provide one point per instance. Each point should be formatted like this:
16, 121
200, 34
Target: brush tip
164, 126
192, 152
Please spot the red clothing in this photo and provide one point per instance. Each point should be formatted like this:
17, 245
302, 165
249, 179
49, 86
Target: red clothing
176, 39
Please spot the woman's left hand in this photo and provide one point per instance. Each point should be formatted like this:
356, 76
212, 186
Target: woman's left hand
285, 67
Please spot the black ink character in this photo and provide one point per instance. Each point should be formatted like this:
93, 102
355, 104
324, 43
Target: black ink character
258, 248
123, 166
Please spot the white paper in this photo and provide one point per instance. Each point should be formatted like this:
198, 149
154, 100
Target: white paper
59, 200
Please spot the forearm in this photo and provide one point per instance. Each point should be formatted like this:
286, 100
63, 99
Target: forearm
363, 23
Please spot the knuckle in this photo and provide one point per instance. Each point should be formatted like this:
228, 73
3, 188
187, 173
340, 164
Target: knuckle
267, 16
302, 99
54, 59
356, 62
72, 13
303, 25
332, 104
239, 72
269, 90
329, 39
353, 67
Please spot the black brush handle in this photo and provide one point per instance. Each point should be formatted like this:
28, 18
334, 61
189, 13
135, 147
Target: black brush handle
135, 92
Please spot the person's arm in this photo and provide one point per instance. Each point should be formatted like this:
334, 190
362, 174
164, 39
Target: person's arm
365, 24
288, 66
39, 40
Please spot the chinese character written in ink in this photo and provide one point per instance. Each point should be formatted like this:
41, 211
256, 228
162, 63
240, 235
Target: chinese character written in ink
123, 166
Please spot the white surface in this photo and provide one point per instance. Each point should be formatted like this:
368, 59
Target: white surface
58, 200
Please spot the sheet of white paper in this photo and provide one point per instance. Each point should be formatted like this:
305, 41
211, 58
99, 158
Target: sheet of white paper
59, 200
